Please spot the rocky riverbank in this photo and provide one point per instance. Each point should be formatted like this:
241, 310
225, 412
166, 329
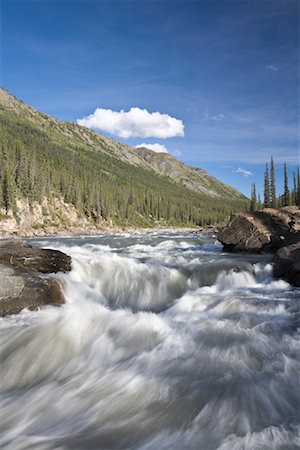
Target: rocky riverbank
268, 231
24, 276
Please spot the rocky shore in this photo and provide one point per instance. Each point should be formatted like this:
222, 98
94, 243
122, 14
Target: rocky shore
24, 276
271, 230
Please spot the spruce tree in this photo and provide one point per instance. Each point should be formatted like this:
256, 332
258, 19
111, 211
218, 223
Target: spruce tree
259, 204
273, 184
253, 204
267, 188
286, 192
294, 193
9, 193
298, 187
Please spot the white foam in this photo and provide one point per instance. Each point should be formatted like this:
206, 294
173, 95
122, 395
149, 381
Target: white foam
160, 345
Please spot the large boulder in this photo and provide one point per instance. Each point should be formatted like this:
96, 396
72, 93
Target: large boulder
286, 264
21, 289
262, 231
23, 279
21, 254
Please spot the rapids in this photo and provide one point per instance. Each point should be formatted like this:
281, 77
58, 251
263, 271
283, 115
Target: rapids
165, 342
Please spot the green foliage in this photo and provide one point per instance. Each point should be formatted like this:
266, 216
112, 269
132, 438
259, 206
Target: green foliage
286, 192
286, 199
267, 188
253, 204
8, 186
41, 161
273, 185
298, 188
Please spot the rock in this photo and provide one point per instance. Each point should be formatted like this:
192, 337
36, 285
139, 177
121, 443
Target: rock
262, 231
21, 289
22, 255
22, 283
14, 245
286, 264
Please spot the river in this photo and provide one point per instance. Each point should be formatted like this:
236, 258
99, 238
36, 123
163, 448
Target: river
165, 342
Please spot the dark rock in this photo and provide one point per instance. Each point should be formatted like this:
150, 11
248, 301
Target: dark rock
22, 255
22, 283
14, 245
286, 264
21, 289
262, 231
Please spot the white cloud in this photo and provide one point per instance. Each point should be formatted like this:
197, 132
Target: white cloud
177, 153
134, 123
157, 148
217, 117
272, 67
245, 172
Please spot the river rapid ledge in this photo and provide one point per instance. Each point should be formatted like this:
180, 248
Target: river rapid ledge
165, 341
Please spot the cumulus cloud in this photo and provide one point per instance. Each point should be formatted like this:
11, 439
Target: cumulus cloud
244, 172
157, 148
134, 123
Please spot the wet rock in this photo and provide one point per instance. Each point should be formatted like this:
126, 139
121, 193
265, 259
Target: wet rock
21, 254
23, 283
262, 231
21, 289
286, 264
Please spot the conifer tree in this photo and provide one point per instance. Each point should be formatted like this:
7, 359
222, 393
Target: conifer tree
273, 185
9, 193
294, 193
253, 204
286, 192
259, 203
267, 188
298, 187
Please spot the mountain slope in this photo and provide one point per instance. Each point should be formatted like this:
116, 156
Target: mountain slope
44, 158
192, 178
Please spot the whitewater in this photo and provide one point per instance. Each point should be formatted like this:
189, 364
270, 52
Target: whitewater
165, 342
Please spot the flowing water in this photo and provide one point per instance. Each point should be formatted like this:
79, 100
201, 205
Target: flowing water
165, 342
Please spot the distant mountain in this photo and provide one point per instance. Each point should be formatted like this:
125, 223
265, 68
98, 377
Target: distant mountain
48, 162
192, 178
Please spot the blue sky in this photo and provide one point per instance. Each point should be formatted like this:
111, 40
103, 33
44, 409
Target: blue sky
227, 70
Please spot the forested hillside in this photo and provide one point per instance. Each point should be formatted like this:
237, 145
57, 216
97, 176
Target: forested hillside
42, 157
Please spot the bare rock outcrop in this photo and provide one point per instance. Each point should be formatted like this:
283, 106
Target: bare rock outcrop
286, 264
22, 255
262, 231
23, 279
268, 231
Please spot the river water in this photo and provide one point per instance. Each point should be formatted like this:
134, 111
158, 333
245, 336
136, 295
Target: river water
165, 342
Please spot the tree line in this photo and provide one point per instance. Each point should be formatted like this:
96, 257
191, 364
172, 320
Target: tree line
290, 196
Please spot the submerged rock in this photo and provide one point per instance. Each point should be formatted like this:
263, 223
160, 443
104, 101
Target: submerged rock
262, 231
22, 283
286, 264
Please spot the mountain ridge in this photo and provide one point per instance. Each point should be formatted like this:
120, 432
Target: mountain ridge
180, 172
193, 178
105, 180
